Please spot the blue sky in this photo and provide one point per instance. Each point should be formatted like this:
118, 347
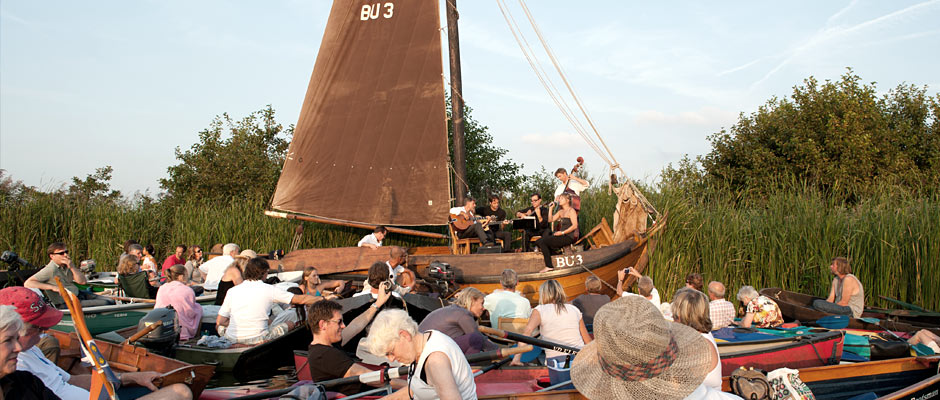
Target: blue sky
88, 84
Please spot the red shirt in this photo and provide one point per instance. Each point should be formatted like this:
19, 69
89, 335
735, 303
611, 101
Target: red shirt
169, 262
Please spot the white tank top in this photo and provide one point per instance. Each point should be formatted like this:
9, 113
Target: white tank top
439, 342
713, 379
563, 327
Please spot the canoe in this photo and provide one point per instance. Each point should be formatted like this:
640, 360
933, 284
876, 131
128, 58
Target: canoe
792, 352
798, 306
101, 319
127, 358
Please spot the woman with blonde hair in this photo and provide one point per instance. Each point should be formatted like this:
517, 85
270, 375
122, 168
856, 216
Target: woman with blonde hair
312, 285
459, 321
690, 308
231, 277
440, 369
558, 322
132, 280
566, 229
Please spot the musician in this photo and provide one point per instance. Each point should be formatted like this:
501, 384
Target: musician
574, 184
476, 229
497, 215
540, 213
566, 230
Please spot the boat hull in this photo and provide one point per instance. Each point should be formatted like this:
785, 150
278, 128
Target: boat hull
793, 352
101, 319
798, 306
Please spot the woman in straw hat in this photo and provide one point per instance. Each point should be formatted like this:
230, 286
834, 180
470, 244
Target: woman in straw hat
558, 322
637, 354
690, 308
440, 369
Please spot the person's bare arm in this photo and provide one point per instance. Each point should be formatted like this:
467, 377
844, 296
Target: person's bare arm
221, 321
359, 323
358, 369
77, 275
370, 245
746, 321
832, 292
579, 180
33, 283
534, 320
304, 299
621, 275
585, 336
441, 376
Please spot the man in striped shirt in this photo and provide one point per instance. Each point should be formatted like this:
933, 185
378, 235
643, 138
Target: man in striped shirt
720, 311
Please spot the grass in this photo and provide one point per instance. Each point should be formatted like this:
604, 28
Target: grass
786, 239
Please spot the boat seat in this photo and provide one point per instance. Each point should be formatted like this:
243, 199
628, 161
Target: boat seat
516, 325
462, 245
600, 236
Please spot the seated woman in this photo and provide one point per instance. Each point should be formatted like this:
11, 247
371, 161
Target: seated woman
441, 370
231, 277
193, 261
313, 286
183, 299
459, 322
132, 280
761, 311
149, 263
566, 230
558, 322
16, 384
690, 308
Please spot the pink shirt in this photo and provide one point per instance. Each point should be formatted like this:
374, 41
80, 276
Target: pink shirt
183, 300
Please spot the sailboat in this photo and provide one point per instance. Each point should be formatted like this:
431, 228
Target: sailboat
370, 148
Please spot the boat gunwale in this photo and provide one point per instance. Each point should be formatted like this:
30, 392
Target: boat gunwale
794, 342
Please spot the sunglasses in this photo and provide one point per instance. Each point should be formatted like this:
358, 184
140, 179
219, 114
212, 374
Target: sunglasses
63, 252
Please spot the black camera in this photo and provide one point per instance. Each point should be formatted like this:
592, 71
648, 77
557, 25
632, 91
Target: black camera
14, 260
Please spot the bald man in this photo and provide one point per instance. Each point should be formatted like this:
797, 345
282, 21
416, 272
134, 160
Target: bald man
720, 310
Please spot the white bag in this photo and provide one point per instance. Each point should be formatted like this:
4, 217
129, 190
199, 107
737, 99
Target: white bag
785, 384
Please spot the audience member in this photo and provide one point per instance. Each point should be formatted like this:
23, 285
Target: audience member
690, 308
761, 311
213, 269
193, 261
176, 258
694, 281
720, 311
149, 263
311, 285
60, 265
132, 280
182, 298
233, 275
506, 302
374, 239
591, 301
459, 321
846, 296
16, 384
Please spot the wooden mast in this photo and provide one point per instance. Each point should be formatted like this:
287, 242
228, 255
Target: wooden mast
456, 104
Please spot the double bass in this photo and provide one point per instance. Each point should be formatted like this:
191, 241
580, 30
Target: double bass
575, 197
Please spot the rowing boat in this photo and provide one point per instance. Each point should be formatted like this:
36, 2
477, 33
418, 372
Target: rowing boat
792, 352
798, 306
128, 358
101, 319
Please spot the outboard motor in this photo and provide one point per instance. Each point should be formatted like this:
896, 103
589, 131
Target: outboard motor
443, 277
161, 340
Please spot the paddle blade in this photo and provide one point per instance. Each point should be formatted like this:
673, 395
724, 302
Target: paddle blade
833, 321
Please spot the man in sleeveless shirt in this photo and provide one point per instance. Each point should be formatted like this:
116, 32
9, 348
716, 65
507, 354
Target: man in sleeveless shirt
847, 296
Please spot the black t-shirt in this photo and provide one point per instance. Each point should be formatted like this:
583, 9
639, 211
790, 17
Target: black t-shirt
26, 386
539, 226
498, 215
328, 362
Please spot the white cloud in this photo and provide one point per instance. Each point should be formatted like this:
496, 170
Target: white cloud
709, 117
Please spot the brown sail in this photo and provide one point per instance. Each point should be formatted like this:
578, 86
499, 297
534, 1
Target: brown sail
371, 141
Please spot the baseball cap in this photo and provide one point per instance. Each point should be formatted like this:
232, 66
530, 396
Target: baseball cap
31, 306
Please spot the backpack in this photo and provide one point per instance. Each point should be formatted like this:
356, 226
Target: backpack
750, 384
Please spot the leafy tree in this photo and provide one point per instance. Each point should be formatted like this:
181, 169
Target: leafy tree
232, 159
489, 171
839, 136
95, 187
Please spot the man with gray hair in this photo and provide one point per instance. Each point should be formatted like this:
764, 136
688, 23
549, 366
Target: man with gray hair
506, 302
215, 268
720, 310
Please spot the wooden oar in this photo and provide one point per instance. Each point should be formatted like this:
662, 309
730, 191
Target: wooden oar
131, 299
143, 332
102, 376
908, 306
545, 344
400, 372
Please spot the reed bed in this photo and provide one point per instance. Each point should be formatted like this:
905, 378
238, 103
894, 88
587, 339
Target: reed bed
786, 239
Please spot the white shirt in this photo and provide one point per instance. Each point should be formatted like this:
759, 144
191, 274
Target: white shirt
463, 375
713, 379
654, 294
703, 392
247, 306
563, 328
393, 272
572, 184
506, 304
56, 379
213, 271
458, 210
369, 239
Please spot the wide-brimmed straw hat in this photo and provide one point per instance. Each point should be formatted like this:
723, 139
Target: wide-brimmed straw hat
637, 354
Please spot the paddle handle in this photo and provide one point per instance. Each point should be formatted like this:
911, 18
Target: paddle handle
499, 353
143, 332
131, 299
545, 344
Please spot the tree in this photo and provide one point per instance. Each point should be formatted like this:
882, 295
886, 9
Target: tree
838, 136
95, 187
245, 163
489, 171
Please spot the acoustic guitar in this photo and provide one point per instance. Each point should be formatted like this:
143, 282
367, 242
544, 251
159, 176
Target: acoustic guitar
461, 223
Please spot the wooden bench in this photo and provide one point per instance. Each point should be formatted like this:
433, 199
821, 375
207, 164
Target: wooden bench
600, 236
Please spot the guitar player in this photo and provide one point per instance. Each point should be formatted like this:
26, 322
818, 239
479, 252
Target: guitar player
476, 229
497, 218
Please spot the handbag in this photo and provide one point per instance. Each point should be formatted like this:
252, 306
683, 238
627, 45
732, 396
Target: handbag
787, 385
750, 384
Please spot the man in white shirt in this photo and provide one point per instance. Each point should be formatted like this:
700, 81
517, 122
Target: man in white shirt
243, 317
572, 182
507, 302
720, 311
215, 268
38, 316
644, 286
374, 239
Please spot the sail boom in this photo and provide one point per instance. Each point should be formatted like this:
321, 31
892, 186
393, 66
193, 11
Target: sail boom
353, 224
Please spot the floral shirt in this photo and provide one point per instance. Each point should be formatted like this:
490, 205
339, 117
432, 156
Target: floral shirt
766, 313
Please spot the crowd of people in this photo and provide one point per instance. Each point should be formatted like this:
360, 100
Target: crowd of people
676, 336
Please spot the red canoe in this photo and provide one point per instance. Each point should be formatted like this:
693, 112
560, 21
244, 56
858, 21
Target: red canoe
796, 352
